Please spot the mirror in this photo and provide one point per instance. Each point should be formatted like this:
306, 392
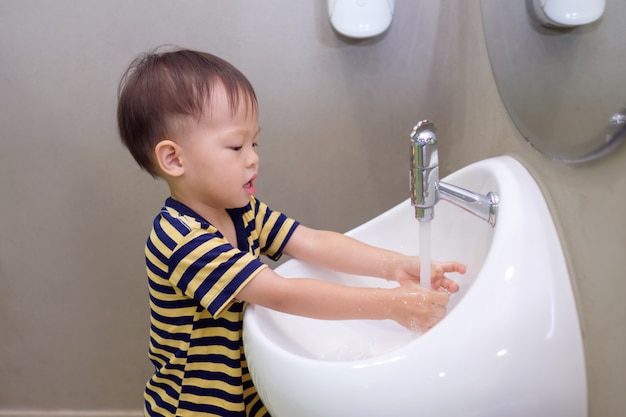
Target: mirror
564, 88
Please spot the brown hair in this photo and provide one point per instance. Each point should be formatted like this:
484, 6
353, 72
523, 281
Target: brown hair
160, 87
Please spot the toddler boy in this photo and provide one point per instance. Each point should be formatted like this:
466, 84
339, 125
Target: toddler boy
191, 119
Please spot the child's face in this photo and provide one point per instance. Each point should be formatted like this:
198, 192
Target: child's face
219, 155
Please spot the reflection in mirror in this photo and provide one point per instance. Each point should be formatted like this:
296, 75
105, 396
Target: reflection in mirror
565, 89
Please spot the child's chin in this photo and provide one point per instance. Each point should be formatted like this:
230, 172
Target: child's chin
242, 202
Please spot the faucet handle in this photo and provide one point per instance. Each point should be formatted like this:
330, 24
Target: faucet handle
428, 128
424, 172
424, 153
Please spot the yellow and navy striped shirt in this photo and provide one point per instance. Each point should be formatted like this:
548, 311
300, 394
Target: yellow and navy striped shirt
194, 275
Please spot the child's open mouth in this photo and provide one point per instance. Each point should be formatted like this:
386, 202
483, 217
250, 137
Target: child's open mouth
249, 187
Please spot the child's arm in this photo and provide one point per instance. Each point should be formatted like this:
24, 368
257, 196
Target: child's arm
343, 254
409, 304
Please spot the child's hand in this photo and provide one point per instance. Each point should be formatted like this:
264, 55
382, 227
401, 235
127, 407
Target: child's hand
408, 270
418, 308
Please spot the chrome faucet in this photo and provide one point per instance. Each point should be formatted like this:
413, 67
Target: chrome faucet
427, 190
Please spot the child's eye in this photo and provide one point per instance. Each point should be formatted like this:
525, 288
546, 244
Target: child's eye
238, 148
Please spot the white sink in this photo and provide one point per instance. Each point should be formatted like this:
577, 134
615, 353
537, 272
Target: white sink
509, 346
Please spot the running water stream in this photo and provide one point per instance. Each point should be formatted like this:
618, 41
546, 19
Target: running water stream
425, 254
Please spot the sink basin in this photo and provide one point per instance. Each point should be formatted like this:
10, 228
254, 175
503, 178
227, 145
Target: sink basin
510, 344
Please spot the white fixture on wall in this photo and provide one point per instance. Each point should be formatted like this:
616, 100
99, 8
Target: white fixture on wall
568, 13
360, 18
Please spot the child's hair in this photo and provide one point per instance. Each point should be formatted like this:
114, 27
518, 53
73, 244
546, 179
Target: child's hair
160, 88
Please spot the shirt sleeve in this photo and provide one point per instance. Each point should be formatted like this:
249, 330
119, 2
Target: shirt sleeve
274, 229
207, 268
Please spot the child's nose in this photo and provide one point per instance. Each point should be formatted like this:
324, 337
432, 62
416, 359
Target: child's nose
253, 158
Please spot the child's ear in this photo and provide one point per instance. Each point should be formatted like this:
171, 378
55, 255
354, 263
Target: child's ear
168, 156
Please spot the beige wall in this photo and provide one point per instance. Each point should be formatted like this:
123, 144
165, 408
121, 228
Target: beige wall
335, 116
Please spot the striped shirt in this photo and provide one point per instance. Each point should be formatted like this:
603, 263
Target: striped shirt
194, 275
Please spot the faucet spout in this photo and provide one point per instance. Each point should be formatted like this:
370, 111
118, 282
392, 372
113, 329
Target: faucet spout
483, 206
427, 190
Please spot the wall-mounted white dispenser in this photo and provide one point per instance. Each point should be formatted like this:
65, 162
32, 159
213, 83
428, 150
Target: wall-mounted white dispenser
360, 18
568, 13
